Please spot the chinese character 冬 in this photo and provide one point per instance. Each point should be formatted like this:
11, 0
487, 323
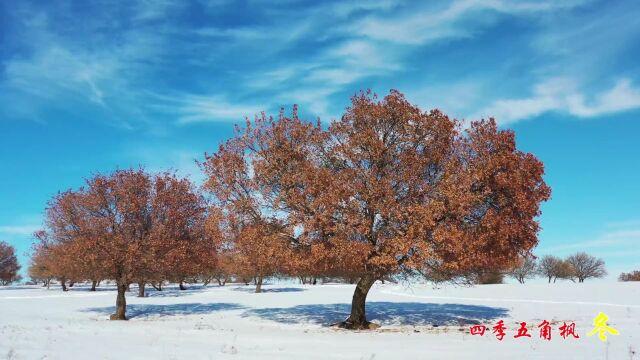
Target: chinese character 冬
545, 330
478, 330
522, 331
499, 329
566, 330
602, 328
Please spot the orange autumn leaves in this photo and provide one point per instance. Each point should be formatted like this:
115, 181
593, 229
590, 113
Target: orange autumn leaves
387, 188
384, 189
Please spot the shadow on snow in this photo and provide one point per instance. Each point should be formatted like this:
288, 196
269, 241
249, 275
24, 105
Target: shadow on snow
153, 310
252, 289
384, 313
171, 291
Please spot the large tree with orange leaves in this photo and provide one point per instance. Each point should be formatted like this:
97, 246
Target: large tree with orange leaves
132, 226
388, 188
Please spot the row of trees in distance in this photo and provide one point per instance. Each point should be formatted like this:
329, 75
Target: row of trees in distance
577, 267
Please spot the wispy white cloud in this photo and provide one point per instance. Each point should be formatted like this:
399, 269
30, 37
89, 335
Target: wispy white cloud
157, 159
454, 20
616, 240
190, 109
563, 95
20, 230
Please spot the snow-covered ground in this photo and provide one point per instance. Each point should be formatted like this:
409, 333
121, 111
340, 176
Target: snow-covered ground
291, 322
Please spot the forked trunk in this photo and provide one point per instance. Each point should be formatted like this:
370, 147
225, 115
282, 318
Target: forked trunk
358, 318
141, 289
121, 302
94, 283
259, 284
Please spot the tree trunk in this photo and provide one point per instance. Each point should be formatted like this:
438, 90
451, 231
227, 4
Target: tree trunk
71, 283
315, 281
550, 280
94, 283
182, 286
121, 302
141, 289
259, 284
63, 282
358, 318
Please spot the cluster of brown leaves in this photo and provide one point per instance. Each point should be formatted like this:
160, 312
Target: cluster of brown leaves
387, 188
129, 226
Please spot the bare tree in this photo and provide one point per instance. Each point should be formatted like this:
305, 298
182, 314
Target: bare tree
548, 267
585, 266
525, 269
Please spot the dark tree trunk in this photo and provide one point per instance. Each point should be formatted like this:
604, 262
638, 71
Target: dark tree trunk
315, 281
259, 284
63, 282
157, 286
207, 281
358, 318
141, 289
94, 283
182, 285
550, 280
71, 283
121, 302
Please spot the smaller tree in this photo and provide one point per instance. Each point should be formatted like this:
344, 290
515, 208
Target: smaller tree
585, 266
525, 269
564, 270
548, 266
490, 277
632, 276
9, 266
554, 268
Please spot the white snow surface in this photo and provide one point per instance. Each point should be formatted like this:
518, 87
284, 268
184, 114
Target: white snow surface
292, 322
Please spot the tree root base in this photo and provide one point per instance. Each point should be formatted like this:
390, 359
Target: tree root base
116, 317
348, 325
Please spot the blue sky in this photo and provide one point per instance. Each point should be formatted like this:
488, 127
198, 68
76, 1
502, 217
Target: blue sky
88, 87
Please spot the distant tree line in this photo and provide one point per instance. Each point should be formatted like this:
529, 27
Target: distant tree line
577, 267
632, 276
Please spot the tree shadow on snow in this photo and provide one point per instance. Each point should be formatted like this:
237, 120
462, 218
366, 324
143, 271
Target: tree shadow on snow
152, 310
172, 291
384, 313
269, 290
